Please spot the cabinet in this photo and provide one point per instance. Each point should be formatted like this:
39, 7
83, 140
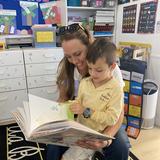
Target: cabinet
26, 71
41, 71
12, 83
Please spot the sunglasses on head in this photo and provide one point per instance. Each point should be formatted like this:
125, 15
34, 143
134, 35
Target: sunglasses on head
70, 29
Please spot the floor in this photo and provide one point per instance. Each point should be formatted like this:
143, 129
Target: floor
147, 145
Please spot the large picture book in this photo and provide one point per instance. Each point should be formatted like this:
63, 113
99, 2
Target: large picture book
45, 121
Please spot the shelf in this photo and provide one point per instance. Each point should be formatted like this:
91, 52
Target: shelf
89, 8
104, 35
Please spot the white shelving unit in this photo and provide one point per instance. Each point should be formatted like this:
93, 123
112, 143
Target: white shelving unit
89, 11
89, 8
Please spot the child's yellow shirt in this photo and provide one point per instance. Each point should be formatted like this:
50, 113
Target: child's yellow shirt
106, 101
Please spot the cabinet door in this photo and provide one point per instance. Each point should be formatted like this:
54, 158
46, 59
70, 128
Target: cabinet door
10, 57
43, 55
41, 81
50, 93
9, 101
16, 71
12, 84
41, 69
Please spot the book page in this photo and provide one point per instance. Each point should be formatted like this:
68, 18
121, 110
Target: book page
43, 111
68, 135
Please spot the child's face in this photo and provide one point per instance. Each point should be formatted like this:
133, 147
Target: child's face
100, 72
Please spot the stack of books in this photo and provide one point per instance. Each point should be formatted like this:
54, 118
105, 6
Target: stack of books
104, 21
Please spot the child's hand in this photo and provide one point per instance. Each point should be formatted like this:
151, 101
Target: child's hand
76, 108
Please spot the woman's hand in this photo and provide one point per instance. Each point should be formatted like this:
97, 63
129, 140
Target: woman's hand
77, 108
94, 145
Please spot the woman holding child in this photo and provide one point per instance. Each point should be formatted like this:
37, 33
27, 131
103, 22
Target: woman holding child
75, 42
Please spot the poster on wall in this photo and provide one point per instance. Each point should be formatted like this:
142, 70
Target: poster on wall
23, 23
35, 0
7, 21
147, 17
123, 1
29, 13
52, 12
129, 19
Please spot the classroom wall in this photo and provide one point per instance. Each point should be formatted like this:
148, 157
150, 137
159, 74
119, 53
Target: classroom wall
153, 39
15, 5
153, 71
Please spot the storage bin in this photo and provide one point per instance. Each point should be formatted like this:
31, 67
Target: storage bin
73, 2
97, 3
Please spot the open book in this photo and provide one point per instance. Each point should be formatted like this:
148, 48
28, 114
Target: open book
46, 121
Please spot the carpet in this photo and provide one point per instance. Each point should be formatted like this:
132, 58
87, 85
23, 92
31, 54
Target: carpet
14, 147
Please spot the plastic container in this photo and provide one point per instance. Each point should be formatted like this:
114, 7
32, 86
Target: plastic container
97, 3
150, 95
110, 3
73, 2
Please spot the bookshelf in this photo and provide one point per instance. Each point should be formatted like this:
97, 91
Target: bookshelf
83, 14
89, 8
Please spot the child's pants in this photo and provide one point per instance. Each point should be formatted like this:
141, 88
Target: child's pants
78, 153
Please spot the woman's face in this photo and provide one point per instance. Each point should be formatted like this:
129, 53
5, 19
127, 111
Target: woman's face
75, 51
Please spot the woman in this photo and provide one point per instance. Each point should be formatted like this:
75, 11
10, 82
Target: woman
75, 41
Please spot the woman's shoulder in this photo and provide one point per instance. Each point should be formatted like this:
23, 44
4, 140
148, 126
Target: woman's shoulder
118, 75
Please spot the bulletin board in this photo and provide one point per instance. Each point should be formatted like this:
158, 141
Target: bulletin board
15, 5
133, 68
147, 17
129, 19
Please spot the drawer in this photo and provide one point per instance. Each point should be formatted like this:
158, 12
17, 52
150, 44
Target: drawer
43, 55
7, 72
11, 57
9, 101
41, 69
41, 81
50, 93
12, 84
